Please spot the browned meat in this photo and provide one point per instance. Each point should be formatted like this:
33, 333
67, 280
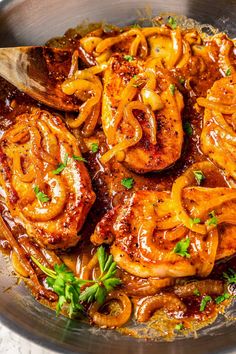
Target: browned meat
51, 203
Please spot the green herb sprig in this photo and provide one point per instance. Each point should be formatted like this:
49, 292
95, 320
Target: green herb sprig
199, 177
72, 290
172, 22
222, 298
105, 282
79, 158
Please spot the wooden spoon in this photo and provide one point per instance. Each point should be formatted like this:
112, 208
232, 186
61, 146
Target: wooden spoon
39, 71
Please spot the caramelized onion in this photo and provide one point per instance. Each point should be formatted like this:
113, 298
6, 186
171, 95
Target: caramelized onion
207, 286
169, 302
112, 321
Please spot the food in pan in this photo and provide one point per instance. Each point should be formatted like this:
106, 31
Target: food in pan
124, 213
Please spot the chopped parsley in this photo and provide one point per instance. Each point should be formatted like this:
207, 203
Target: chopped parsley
196, 292
135, 25
172, 89
181, 80
222, 298
213, 219
127, 182
199, 176
228, 72
128, 57
181, 248
188, 128
179, 326
204, 302
42, 197
79, 158
195, 221
94, 147
61, 166
230, 276
172, 22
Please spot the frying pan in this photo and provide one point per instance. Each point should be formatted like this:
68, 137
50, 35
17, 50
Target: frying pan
32, 22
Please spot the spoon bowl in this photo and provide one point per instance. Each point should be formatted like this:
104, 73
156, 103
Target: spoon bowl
38, 72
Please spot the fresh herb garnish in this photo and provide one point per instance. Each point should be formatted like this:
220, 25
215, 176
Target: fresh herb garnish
128, 57
222, 298
65, 285
94, 147
172, 22
181, 80
172, 89
195, 221
204, 302
127, 182
179, 326
213, 220
70, 288
230, 276
196, 292
42, 197
79, 158
61, 166
199, 176
135, 25
188, 128
228, 72
181, 248
105, 282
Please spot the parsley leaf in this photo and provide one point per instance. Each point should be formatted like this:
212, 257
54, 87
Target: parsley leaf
172, 22
42, 197
181, 248
105, 282
61, 166
172, 89
94, 147
188, 128
79, 158
195, 221
196, 292
213, 220
230, 276
128, 57
179, 326
127, 182
70, 289
222, 298
181, 80
199, 176
135, 25
228, 72
204, 302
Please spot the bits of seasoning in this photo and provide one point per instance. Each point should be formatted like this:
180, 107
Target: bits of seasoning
172, 22
188, 128
128, 57
172, 89
42, 197
127, 182
204, 302
213, 219
79, 158
94, 147
199, 176
181, 248
61, 166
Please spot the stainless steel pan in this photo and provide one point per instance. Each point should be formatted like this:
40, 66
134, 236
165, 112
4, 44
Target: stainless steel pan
31, 22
